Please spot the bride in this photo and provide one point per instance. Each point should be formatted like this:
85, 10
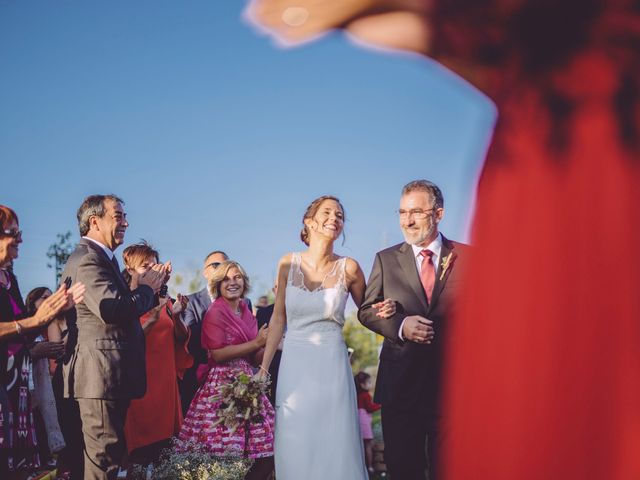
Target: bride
317, 431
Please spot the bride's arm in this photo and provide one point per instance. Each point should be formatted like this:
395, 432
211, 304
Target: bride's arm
355, 281
278, 318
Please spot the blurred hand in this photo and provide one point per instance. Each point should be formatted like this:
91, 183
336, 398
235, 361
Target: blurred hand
47, 350
418, 329
261, 339
386, 308
294, 21
179, 305
396, 24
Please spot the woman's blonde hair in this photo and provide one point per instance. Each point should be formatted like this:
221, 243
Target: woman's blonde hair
221, 272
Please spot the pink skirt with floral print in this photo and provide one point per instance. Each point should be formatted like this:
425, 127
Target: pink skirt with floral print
254, 440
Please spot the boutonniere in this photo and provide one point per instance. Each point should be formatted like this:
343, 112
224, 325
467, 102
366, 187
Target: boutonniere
444, 265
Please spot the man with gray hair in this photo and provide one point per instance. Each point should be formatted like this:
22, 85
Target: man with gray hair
420, 275
104, 366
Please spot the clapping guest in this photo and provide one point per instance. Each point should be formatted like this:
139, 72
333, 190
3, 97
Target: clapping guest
17, 439
153, 419
231, 337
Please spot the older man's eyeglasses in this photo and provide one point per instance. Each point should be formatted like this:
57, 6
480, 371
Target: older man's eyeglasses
415, 213
213, 265
13, 233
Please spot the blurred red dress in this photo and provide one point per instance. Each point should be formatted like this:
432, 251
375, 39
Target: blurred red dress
544, 369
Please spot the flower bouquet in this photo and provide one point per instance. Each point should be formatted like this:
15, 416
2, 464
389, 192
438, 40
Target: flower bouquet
239, 401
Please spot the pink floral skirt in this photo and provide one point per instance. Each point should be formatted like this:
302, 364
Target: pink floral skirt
252, 440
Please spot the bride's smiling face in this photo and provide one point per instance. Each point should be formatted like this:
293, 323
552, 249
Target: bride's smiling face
232, 285
328, 220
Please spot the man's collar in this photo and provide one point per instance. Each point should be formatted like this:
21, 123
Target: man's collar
435, 246
108, 251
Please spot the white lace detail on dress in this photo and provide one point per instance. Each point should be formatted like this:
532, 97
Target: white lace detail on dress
320, 309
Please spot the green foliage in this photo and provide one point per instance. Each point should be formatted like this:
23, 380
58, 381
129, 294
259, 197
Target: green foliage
364, 343
59, 252
186, 282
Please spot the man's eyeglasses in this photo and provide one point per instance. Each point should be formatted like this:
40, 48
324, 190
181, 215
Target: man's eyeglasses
415, 213
213, 265
14, 233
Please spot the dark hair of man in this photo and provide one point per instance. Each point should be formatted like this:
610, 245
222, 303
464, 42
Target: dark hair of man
425, 186
93, 205
219, 252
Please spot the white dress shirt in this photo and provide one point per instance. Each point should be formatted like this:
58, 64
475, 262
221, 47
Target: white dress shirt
436, 248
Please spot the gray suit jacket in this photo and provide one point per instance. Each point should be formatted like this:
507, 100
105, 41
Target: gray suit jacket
198, 305
105, 355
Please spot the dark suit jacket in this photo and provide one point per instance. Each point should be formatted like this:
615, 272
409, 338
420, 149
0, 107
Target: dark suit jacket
409, 373
105, 356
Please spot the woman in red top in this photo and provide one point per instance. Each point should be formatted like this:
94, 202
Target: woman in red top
544, 353
153, 419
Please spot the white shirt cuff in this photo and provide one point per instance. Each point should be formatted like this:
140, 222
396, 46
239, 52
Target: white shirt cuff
400, 331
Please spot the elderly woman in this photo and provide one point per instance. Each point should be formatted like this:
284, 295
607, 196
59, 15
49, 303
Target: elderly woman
231, 337
153, 419
17, 437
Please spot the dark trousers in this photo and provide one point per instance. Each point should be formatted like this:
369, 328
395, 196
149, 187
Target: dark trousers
188, 387
103, 433
72, 456
411, 444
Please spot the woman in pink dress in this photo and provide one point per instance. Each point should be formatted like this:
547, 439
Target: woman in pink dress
231, 337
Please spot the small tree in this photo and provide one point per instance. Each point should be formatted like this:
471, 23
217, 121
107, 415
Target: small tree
59, 253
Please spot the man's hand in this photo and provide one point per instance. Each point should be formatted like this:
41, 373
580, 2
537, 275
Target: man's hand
418, 329
261, 339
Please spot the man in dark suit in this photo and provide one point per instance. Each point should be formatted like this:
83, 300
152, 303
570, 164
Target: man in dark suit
198, 305
420, 275
104, 367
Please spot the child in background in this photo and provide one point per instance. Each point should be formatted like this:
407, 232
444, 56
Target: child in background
366, 407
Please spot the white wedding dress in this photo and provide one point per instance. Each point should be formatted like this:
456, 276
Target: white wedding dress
317, 430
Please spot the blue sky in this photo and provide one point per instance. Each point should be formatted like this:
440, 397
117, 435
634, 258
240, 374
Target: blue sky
216, 139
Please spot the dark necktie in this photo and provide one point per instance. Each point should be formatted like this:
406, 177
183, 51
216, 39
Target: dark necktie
427, 273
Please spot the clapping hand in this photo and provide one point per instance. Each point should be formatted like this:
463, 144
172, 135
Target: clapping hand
179, 305
386, 308
63, 299
155, 277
